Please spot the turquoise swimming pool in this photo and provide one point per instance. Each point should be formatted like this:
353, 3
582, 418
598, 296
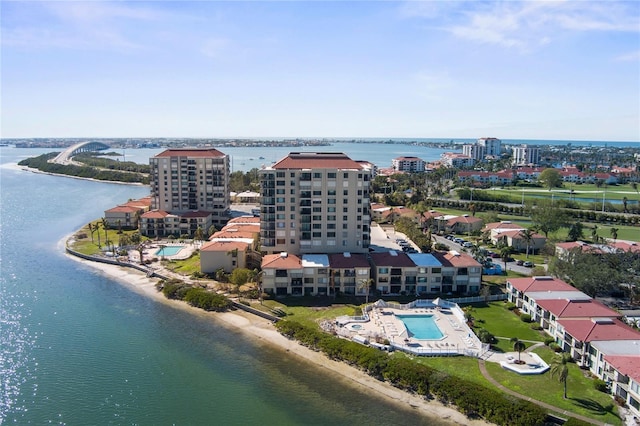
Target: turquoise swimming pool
421, 327
169, 251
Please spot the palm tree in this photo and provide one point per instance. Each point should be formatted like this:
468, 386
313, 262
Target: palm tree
505, 253
594, 234
527, 236
119, 222
614, 234
625, 200
365, 283
634, 185
518, 346
91, 230
141, 253
198, 235
105, 226
559, 368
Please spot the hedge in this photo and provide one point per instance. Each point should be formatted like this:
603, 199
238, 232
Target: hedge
470, 398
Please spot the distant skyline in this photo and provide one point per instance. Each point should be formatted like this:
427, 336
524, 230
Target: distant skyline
561, 70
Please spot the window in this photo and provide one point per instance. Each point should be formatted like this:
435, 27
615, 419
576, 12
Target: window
345, 192
345, 175
280, 174
383, 270
331, 217
317, 175
331, 209
317, 235
331, 175
317, 193
280, 191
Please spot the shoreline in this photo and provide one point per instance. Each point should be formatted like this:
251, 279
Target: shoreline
16, 166
262, 331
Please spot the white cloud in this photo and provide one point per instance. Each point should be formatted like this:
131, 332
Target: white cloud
526, 25
433, 85
630, 57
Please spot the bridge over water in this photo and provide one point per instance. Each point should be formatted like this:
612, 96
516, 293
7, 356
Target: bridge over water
65, 156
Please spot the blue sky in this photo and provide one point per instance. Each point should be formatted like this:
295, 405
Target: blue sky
513, 70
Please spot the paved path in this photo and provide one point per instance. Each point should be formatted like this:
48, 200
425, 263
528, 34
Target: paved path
485, 373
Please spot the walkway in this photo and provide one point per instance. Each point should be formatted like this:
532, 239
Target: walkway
551, 408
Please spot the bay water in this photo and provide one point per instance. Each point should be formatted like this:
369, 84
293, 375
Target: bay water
78, 348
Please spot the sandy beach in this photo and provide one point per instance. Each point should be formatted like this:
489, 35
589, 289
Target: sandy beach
263, 331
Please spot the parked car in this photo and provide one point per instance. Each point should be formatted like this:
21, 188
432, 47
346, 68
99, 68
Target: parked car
528, 264
467, 244
494, 255
519, 262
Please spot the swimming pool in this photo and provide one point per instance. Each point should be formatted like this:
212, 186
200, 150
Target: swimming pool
421, 327
169, 251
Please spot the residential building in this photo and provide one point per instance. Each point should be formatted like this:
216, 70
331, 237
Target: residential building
515, 238
461, 273
492, 146
282, 274
126, 215
315, 203
191, 180
621, 372
526, 155
159, 223
408, 164
453, 159
464, 224
223, 254
474, 151
425, 273
349, 273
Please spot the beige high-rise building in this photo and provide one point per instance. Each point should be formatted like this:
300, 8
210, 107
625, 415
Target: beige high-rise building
189, 180
315, 203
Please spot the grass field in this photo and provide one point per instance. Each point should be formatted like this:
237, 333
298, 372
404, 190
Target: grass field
501, 322
582, 397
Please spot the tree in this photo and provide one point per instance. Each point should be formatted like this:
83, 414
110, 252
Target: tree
518, 346
576, 232
119, 222
527, 236
240, 276
141, 253
91, 231
594, 234
366, 283
547, 218
105, 226
550, 178
625, 201
198, 235
505, 254
560, 370
614, 233
634, 185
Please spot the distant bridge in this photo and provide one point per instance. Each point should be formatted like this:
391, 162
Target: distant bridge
65, 156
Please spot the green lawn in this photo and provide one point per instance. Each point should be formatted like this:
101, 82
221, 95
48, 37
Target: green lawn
311, 315
87, 245
501, 322
185, 266
460, 366
582, 397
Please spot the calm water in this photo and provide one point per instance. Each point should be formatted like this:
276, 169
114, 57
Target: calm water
77, 348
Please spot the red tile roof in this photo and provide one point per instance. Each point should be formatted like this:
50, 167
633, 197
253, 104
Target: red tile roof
317, 160
456, 259
224, 246
629, 365
233, 233
531, 284
516, 234
398, 260
564, 308
463, 219
501, 225
191, 152
155, 214
278, 261
123, 209
244, 220
596, 329
354, 260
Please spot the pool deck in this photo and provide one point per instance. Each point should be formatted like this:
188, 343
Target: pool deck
382, 323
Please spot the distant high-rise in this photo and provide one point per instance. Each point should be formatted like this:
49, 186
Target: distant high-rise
475, 151
188, 180
492, 146
315, 203
524, 155
408, 164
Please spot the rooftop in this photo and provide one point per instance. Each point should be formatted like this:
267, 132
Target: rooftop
317, 160
191, 152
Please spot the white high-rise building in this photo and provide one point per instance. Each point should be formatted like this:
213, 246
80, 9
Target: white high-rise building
475, 151
526, 155
492, 146
189, 180
315, 203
